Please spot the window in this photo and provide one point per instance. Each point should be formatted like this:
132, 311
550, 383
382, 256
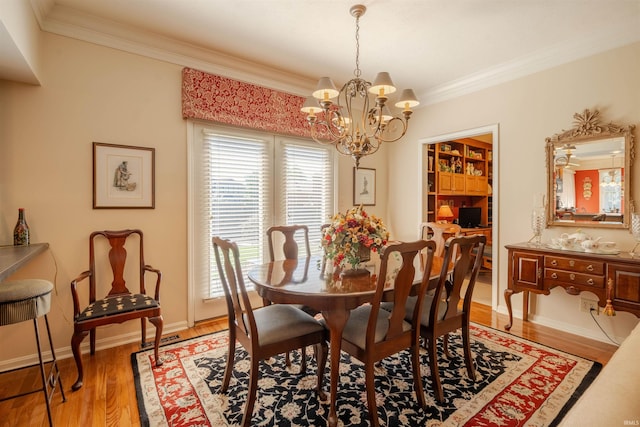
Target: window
610, 190
243, 182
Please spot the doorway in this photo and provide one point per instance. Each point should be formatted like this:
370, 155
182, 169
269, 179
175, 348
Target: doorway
490, 202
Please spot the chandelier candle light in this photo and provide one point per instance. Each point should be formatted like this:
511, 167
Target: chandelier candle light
363, 129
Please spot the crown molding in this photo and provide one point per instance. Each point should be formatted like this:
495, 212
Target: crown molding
561, 53
71, 23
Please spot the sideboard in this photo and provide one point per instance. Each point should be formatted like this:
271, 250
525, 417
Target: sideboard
614, 279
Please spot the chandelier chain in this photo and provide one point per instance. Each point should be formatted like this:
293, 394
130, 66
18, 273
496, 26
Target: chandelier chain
357, 71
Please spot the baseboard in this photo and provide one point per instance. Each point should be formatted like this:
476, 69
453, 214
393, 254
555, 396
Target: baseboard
101, 344
595, 335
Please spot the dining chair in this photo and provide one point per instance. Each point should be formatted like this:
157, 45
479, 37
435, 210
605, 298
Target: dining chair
373, 333
439, 233
289, 236
265, 331
120, 304
441, 311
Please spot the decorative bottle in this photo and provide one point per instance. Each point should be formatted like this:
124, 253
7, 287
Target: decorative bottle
21, 230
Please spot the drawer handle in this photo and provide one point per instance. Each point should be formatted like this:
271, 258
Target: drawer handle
590, 282
554, 276
554, 262
590, 267
572, 263
572, 276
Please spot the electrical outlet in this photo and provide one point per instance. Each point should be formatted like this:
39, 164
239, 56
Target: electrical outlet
586, 305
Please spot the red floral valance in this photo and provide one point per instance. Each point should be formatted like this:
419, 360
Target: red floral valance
210, 97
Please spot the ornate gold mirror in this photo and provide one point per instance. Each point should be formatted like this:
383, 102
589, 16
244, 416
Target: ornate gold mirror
589, 174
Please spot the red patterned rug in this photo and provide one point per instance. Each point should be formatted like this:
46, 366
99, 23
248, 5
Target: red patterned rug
519, 383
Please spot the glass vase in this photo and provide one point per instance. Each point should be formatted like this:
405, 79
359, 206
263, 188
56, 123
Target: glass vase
635, 230
537, 225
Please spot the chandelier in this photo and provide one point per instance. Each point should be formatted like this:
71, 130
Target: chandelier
612, 178
355, 127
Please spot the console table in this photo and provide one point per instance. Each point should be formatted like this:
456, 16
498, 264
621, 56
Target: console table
14, 257
614, 279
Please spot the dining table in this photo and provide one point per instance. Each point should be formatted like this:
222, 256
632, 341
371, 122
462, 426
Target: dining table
306, 281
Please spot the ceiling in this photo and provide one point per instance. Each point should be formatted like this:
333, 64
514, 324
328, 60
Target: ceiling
440, 48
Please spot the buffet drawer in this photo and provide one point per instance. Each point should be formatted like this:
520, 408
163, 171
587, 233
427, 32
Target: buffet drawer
569, 277
575, 265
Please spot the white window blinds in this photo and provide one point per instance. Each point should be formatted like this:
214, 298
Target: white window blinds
306, 196
235, 174
235, 199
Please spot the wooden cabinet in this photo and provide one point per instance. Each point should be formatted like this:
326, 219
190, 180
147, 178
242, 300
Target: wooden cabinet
614, 279
476, 185
451, 183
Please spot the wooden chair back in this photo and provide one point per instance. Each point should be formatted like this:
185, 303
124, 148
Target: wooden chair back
118, 257
289, 242
461, 251
239, 309
403, 288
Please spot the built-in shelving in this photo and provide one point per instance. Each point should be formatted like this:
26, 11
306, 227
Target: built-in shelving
458, 173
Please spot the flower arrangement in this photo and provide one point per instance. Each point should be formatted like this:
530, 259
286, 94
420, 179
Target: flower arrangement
349, 233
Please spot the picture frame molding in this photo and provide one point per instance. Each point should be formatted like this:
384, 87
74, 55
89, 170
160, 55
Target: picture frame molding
136, 163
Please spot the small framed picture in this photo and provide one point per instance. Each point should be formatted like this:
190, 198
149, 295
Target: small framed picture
123, 177
364, 186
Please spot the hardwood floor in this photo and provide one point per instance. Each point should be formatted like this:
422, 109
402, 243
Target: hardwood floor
108, 397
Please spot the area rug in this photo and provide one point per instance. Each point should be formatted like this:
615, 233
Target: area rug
518, 383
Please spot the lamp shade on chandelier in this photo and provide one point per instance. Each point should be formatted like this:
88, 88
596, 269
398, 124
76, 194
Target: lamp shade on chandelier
356, 119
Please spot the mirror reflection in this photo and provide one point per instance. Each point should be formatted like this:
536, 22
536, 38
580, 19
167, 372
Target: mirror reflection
587, 169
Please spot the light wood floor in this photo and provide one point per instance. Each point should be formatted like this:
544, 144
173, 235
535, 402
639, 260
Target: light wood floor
108, 396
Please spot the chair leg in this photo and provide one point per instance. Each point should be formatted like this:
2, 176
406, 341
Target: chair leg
92, 341
445, 342
251, 395
287, 359
432, 350
468, 359
157, 322
303, 360
230, 358
76, 339
321, 350
143, 330
371, 393
417, 377
45, 388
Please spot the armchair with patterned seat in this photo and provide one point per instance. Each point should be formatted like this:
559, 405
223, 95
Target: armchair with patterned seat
120, 303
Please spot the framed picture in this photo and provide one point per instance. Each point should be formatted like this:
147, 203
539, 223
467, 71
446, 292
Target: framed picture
364, 186
123, 177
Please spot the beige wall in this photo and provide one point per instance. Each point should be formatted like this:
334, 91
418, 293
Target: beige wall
92, 93
527, 110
